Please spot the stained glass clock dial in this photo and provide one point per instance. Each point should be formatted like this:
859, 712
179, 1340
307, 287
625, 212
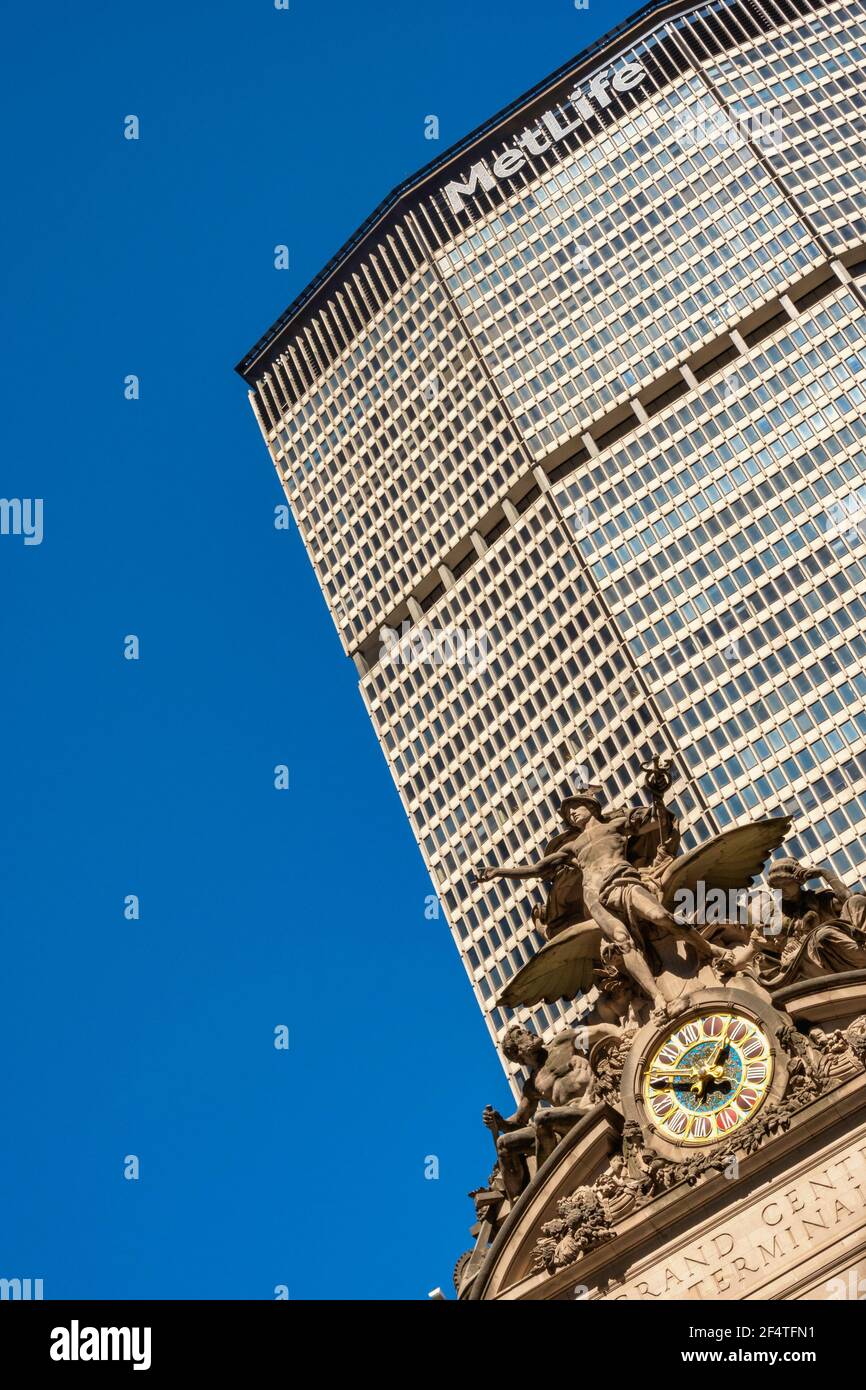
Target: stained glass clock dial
706, 1078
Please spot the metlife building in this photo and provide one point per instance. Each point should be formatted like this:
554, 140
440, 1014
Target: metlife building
572, 430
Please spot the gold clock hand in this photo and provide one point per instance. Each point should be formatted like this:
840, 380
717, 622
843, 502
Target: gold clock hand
721, 1047
710, 1071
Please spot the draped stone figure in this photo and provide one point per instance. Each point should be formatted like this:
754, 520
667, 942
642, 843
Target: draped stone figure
823, 929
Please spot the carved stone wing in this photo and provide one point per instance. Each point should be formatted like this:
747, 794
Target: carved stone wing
562, 969
728, 861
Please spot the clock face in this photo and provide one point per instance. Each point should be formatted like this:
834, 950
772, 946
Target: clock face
707, 1077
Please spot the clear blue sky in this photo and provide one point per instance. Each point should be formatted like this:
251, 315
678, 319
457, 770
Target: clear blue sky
155, 777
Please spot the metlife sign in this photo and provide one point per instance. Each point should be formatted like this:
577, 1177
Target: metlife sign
542, 137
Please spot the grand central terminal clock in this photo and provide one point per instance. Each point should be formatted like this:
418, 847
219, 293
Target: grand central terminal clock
697, 1079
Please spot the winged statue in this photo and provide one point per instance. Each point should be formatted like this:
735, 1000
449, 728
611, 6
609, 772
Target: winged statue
607, 898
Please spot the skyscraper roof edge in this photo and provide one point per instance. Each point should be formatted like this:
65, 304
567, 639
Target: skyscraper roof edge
607, 42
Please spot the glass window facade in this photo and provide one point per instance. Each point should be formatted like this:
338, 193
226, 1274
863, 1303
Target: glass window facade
599, 431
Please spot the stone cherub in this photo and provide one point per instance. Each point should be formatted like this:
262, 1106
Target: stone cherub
832, 1055
559, 1072
606, 897
618, 1191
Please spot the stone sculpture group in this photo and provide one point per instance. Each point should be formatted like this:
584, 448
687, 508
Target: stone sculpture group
626, 925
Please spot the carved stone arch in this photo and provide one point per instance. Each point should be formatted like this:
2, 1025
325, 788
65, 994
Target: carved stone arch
578, 1159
